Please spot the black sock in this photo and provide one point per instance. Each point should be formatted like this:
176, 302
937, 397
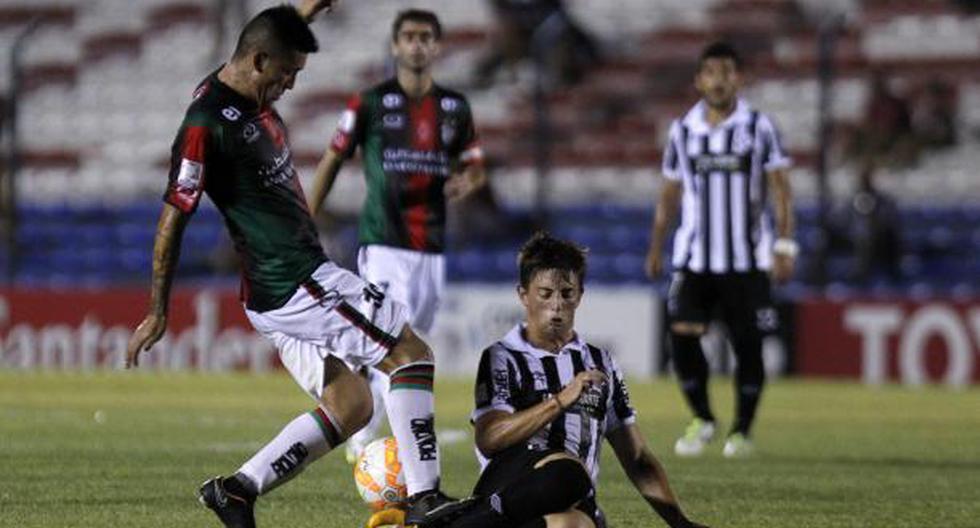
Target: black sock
692, 372
552, 488
750, 377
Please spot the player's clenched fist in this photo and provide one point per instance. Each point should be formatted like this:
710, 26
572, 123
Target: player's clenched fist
571, 393
145, 336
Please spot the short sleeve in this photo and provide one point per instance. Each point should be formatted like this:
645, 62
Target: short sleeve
468, 148
672, 154
496, 379
350, 128
189, 160
620, 411
774, 157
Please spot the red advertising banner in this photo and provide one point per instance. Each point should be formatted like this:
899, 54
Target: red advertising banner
913, 342
78, 329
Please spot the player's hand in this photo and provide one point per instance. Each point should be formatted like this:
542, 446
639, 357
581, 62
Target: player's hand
145, 336
571, 393
309, 8
782, 268
458, 187
654, 264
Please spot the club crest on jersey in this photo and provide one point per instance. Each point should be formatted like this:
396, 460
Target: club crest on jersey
231, 113
393, 121
392, 100
250, 133
189, 176
741, 142
449, 104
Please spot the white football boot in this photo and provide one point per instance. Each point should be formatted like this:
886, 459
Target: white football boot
696, 436
737, 446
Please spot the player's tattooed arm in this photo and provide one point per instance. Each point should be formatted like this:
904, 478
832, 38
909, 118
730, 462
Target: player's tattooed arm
648, 475
166, 250
323, 179
663, 219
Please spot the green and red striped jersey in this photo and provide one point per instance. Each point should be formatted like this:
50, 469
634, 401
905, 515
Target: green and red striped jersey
239, 155
409, 148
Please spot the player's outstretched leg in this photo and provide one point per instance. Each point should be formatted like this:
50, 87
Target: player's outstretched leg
411, 412
378, 381
692, 372
345, 405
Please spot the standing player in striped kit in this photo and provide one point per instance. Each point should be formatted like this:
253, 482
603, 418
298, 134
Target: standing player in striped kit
419, 147
722, 161
545, 400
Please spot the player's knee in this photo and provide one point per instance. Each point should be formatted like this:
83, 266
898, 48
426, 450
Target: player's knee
409, 349
574, 479
569, 519
688, 329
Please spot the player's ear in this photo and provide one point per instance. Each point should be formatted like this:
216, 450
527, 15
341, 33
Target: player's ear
522, 294
260, 61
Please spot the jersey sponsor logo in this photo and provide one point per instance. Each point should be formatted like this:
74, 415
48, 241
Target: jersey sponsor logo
189, 176
393, 121
392, 100
435, 162
231, 113
449, 104
448, 133
347, 121
250, 133
721, 163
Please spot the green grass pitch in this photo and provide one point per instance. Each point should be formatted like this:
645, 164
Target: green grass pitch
129, 450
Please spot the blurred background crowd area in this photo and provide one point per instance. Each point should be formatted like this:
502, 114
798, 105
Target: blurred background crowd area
877, 100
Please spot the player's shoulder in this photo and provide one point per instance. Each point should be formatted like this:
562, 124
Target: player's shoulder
210, 107
599, 353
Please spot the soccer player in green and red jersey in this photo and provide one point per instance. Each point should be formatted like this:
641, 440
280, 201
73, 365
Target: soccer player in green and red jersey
234, 147
419, 148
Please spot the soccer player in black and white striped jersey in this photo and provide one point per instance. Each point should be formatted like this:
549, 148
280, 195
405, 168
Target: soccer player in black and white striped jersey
722, 162
545, 400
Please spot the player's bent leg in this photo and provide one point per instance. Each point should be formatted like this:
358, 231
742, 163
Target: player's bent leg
692, 373
345, 406
553, 485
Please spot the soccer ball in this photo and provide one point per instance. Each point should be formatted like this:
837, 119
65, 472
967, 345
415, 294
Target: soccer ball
379, 476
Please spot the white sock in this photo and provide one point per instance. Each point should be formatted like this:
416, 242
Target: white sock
378, 382
410, 404
305, 439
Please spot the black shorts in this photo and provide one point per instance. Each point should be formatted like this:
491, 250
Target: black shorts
509, 465
743, 300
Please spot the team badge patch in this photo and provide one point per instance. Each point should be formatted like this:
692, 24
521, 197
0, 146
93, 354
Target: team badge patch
449, 104
392, 100
189, 177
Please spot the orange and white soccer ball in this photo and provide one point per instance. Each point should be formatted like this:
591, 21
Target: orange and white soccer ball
379, 476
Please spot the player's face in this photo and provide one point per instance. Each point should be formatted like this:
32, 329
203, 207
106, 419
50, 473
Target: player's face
415, 46
551, 298
278, 72
718, 81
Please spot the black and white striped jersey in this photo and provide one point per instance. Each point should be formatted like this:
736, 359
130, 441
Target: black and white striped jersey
514, 375
725, 223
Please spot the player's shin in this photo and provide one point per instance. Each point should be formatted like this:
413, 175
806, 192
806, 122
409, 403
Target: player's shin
410, 405
378, 382
304, 440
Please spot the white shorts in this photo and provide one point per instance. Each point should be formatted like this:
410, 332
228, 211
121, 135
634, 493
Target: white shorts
413, 278
336, 313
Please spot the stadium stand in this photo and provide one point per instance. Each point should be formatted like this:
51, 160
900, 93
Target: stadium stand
106, 82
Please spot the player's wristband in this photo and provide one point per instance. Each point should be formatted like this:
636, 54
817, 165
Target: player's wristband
786, 247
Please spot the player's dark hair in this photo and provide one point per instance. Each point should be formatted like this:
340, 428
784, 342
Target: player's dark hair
416, 15
276, 30
720, 50
544, 252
